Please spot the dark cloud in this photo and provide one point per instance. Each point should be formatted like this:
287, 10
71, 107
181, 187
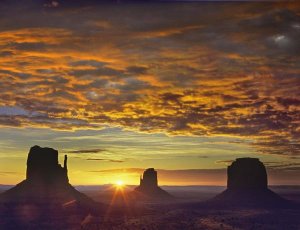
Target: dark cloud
287, 102
30, 46
10, 121
92, 63
278, 145
284, 165
97, 72
87, 151
203, 157
6, 53
136, 70
104, 159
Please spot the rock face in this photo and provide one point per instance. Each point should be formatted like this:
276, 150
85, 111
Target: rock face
247, 186
43, 166
247, 173
149, 186
149, 179
46, 182
45, 199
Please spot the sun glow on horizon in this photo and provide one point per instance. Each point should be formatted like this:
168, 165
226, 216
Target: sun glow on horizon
119, 183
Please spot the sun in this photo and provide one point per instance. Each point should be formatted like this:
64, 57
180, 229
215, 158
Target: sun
119, 183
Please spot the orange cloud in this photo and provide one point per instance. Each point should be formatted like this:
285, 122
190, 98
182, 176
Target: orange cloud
203, 75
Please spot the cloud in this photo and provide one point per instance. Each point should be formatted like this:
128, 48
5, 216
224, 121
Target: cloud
88, 151
224, 162
205, 73
203, 157
13, 111
104, 159
283, 166
7, 173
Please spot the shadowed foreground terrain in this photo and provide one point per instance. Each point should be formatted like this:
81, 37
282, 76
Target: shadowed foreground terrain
179, 214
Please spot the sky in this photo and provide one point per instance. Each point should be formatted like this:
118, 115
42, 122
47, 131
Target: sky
184, 87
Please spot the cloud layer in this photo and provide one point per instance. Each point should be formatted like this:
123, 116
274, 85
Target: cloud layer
192, 69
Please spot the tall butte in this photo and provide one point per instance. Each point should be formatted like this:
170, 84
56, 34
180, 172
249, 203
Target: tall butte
247, 185
149, 188
43, 167
46, 182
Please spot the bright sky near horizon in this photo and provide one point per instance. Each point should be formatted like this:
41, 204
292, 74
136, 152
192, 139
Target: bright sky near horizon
182, 87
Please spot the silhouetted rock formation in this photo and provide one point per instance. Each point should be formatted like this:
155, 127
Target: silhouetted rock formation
149, 179
43, 166
149, 187
46, 183
247, 185
247, 173
45, 199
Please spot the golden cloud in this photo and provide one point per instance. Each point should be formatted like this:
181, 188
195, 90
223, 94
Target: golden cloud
194, 77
